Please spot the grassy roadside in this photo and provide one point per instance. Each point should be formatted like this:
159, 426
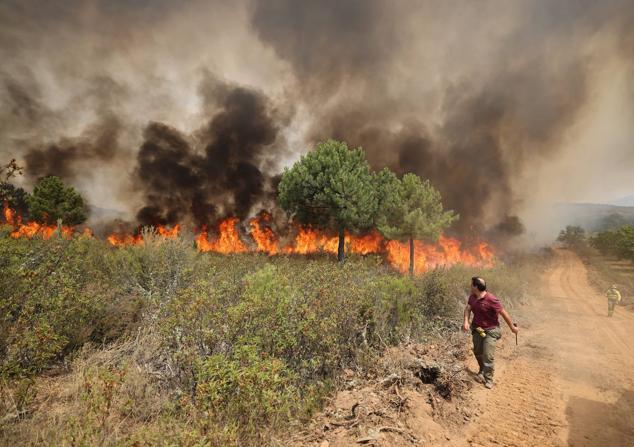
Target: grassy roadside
162, 345
604, 271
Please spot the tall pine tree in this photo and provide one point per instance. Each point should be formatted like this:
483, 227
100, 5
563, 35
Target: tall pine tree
331, 187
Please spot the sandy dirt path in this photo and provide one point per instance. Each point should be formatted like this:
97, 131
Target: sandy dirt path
570, 382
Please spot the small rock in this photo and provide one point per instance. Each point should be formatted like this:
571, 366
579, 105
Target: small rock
390, 380
324, 444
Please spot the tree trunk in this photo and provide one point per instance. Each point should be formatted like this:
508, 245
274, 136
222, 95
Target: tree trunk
411, 256
342, 246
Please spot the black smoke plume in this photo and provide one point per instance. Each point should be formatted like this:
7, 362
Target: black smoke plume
98, 143
220, 170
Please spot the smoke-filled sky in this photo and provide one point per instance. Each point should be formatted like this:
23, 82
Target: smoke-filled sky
187, 111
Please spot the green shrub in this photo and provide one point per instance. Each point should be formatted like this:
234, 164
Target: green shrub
155, 270
619, 242
247, 389
572, 236
240, 344
53, 302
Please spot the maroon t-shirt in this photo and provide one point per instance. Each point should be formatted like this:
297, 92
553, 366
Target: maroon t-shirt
485, 311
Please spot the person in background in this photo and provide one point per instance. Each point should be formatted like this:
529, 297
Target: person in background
614, 296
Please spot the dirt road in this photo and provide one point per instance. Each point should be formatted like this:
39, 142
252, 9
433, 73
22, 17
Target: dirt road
571, 380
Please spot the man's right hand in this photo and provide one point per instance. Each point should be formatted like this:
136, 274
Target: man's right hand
465, 327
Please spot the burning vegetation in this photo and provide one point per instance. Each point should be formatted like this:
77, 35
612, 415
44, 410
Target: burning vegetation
334, 203
32, 228
257, 236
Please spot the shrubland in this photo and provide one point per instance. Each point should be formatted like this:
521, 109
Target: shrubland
160, 344
618, 242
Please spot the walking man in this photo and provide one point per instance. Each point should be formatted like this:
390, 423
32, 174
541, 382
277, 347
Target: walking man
614, 296
485, 327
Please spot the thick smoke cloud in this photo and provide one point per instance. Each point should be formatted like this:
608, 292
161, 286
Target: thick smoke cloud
492, 127
218, 170
99, 143
490, 100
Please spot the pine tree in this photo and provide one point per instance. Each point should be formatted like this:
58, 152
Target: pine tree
331, 187
412, 210
52, 200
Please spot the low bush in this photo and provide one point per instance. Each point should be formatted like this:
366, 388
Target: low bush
53, 302
185, 346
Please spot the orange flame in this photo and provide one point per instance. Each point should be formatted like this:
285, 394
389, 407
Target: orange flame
366, 244
9, 214
168, 232
119, 240
228, 240
448, 251
32, 229
264, 237
309, 241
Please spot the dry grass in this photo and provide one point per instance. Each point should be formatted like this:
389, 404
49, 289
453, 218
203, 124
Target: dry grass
604, 271
108, 395
192, 349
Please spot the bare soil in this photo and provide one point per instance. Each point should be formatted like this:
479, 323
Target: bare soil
569, 382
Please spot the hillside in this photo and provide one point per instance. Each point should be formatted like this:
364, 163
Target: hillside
588, 215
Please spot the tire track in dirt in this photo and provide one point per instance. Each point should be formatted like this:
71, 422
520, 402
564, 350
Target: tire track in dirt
571, 291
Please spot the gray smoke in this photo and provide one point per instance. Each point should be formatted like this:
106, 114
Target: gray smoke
529, 89
192, 106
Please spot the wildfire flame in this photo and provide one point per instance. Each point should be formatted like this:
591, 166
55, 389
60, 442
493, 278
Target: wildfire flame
120, 240
448, 251
32, 229
265, 239
227, 242
123, 239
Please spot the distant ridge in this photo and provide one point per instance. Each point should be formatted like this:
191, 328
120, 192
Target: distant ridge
587, 215
624, 201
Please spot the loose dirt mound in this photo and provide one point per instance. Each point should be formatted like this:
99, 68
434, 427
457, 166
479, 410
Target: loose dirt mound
417, 398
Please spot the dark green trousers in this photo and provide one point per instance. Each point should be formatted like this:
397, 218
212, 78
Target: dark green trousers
611, 305
484, 350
